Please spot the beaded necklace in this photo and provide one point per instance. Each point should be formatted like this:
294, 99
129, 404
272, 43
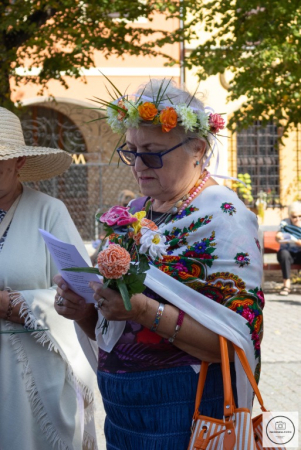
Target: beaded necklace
181, 204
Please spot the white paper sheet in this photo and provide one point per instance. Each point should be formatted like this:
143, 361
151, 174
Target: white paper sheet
66, 256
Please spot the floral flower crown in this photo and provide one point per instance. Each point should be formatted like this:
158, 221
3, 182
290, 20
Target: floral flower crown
123, 113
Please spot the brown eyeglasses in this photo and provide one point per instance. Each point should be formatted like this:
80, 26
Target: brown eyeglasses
296, 217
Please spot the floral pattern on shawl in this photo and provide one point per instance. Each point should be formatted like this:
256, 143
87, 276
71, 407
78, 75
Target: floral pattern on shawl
177, 237
196, 255
242, 259
186, 212
228, 208
257, 244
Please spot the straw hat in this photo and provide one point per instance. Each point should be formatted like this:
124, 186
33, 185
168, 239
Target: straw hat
41, 162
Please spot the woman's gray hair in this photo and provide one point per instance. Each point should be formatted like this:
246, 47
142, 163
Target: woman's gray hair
174, 95
294, 207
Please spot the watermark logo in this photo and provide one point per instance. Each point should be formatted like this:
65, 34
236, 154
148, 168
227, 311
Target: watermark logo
280, 429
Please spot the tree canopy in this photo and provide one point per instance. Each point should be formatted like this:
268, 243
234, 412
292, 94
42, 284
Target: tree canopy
259, 42
59, 36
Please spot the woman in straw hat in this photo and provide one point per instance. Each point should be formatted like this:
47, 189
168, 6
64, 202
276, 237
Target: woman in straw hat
45, 380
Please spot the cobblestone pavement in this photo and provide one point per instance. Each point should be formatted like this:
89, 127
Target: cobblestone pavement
280, 383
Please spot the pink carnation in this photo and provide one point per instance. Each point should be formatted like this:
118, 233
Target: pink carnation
117, 215
216, 123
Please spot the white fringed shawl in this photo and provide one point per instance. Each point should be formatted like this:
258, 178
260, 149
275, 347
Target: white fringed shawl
46, 384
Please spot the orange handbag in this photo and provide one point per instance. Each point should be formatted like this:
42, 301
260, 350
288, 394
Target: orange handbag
237, 431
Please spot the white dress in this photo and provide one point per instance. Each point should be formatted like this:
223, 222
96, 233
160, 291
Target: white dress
46, 383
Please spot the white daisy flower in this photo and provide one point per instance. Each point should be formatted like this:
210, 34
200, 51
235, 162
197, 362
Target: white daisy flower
153, 243
204, 122
112, 119
133, 118
187, 117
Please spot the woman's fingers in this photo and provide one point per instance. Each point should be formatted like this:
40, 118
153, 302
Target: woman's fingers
63, 290
69, 304
75, 299
59, 280
99, 290
64, 308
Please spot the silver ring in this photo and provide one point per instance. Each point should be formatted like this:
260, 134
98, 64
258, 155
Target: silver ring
99, 303
59, 301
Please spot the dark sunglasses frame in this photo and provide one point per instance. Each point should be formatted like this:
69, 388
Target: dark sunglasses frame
120, 151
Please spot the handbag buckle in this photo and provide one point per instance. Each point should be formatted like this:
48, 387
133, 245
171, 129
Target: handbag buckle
229, 418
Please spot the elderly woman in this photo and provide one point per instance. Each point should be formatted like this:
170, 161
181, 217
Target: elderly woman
289, 237
45, 379
207, 284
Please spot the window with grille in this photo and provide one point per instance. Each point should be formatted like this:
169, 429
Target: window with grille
258, 155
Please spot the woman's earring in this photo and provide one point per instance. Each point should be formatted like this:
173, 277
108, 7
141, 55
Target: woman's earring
197, 163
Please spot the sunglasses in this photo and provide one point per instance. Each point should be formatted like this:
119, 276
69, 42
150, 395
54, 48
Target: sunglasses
295, 217
151, 160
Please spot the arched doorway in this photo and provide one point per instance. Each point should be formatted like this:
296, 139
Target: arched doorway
92, 183
48, 127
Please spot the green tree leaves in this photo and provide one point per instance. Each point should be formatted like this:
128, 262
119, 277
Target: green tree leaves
259, 42
59, 37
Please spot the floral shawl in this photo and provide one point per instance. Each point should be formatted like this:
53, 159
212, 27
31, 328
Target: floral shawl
214, 261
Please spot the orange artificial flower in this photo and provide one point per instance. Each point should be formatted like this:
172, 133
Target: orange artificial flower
113, 262
168, 118
147, 224
147, 111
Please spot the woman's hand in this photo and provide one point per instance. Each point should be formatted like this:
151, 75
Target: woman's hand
279, 236
4, 304
112, 306
73, 306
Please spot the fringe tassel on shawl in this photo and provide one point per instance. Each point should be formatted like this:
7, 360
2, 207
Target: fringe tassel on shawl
44, 338
89, 442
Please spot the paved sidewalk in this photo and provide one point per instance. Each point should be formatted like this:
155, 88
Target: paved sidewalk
280, 382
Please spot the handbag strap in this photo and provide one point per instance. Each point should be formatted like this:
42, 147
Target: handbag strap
229, 404
200, 387
248, 371
228, 394
9, 216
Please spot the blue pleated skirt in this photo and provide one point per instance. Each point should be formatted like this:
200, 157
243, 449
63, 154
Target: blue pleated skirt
153, 410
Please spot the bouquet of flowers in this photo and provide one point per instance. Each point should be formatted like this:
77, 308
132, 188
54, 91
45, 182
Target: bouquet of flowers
134, 242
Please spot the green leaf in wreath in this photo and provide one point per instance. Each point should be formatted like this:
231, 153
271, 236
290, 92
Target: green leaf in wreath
124, 293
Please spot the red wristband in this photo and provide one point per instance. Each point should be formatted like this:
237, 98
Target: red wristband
178, 326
